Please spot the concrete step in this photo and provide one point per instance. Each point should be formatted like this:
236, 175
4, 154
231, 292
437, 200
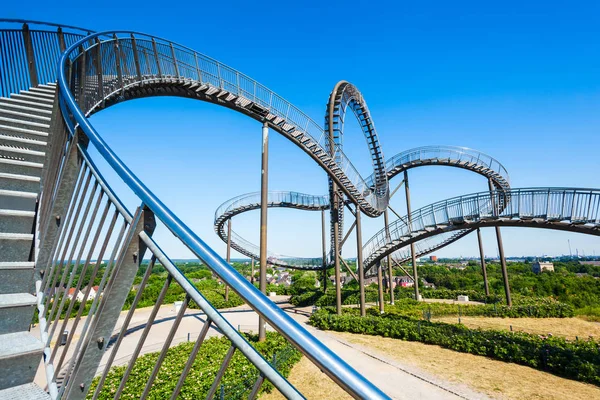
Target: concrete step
30, 391
20, 167
16, 312
20, 355
8, 104
17, 200
15, 247
16, 277
23, 115
16, 221
23, 142
22, 154
25, 183
35, 134
32, 98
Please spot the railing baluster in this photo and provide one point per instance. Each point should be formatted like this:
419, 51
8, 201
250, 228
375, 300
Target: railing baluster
217, 381
156, 58
117, 51
33, 75
176, 67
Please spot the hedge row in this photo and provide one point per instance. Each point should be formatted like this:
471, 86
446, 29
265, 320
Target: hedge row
318, 298
578, 360
237, 381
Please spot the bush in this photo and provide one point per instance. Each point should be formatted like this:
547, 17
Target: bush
237, 381
320, 299
578, 360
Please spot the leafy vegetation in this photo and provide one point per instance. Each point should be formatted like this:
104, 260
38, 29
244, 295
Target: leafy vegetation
578, 360
237, 382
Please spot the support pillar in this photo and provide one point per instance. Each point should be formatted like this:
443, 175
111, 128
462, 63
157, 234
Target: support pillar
389, 257
483, 268
412, 245
359, 263
324, 248
228, 255
336, 252
264, 192
380, 286
500, 247
252, 271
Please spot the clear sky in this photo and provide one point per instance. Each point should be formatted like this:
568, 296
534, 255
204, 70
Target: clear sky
517, 80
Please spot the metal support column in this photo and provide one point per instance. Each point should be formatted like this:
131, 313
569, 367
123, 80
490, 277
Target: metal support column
389, 257
483, 268
412, 245
264, 194
110, 308
324, 248
228, 255
359, 263
336, 252
380, 286
252, 271
33, 76
496, 211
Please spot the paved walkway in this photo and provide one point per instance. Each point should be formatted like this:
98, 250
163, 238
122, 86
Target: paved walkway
397, 380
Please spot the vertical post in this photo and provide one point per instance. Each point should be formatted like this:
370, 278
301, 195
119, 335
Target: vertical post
483, 268
323, 245
111, 305
380, 286
156, 58
30, 56
389, 257
118, 62
136, 58
228, 255
264, 188
98, 65
336, 251
412, 245
82, 76
500, 247
359, 263
252, 271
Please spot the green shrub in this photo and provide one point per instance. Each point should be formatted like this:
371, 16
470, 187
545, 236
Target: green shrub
578, 360
237, 381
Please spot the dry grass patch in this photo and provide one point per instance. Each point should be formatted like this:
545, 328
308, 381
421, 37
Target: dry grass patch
495, 378
311, 382
566, 327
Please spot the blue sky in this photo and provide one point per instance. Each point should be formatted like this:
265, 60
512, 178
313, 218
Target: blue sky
519, 81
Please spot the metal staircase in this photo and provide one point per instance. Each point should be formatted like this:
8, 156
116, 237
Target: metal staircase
24, 128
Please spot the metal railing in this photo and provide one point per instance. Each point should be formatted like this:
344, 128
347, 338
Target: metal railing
76, 206
251, 201
568, 208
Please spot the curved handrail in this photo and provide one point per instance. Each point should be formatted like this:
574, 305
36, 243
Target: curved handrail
26, 21
329, 362
252, 201
572, 209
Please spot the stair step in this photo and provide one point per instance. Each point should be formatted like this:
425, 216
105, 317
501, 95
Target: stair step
27, 103
16, 221
24, 116
19, 123
35, 99
20, 356
41, 89
34, 134
15, 246
37, 93
22, 154
16, 312
26, 183
16, 277
17, 200
7, 104
20, 167
30, 391
23, 142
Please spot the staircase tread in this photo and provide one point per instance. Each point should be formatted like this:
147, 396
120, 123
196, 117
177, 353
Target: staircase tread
13, 105
17, 264
20, 139
20, 114
20, 177
47, 107
24, 122
21, 150
16, 213
19, 162
16, 193
24, 130
29, 391
17, 300
16, 343
15, 236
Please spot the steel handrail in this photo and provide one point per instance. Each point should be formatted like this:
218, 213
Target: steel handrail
343, 374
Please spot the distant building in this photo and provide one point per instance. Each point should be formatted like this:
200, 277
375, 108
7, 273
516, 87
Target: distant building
433, 258
404, 281
540, 266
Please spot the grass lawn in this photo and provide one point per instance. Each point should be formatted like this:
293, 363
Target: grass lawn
565, 327
495, 378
